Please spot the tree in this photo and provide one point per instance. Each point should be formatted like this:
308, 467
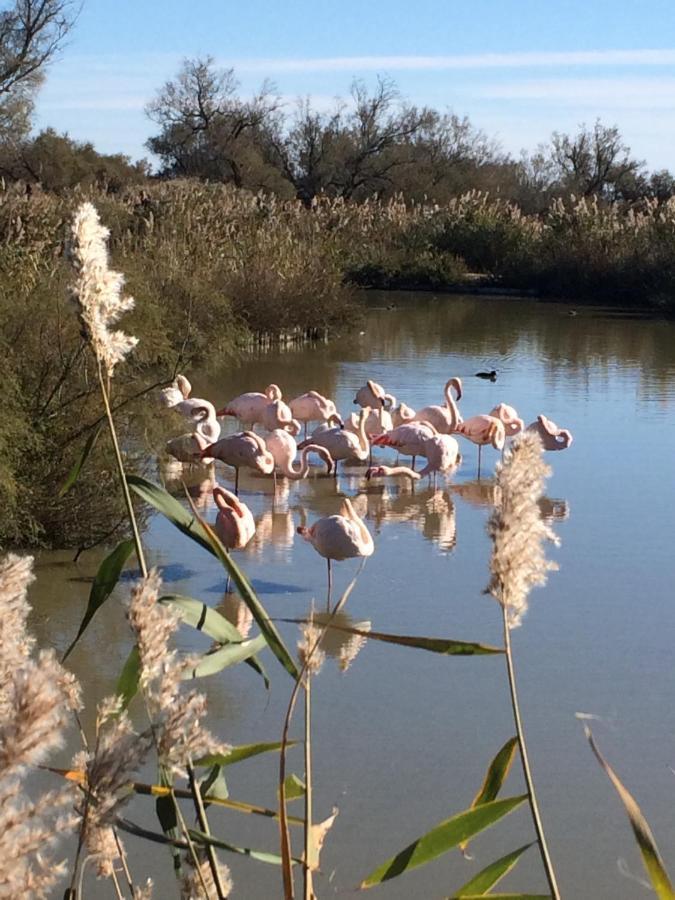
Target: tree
31, 34
206, 130
596, 161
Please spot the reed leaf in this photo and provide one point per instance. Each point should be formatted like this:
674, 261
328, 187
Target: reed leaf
74, 473
212, 623
294, 787
192, 525
230, 655
445, 646
481, 883
127, 683
443, 837
104, 583
495, 777
651, 857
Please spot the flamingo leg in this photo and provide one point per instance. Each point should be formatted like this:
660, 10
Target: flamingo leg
227, 584
413, 463
236, 480
305, 429
330, 584
480, 447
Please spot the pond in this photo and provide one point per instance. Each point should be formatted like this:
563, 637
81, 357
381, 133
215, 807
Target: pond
402, 738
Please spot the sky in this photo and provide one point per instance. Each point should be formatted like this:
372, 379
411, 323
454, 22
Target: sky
519, 69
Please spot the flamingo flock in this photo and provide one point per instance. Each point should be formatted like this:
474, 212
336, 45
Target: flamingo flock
382, 421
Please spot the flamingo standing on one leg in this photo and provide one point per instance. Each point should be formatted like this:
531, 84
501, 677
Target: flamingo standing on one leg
483, 430
513, 424
284, 449
344, 536
247, 449
249, 407
444, 418
314, 407
552, 437
407, 439
234, 525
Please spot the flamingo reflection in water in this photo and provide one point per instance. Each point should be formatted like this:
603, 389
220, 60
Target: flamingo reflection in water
199, 479
430, 511
344, 536
340, 644
484, 494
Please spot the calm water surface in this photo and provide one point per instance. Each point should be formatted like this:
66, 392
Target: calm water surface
402, 738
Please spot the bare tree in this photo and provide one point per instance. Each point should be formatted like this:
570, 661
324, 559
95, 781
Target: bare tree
206, 129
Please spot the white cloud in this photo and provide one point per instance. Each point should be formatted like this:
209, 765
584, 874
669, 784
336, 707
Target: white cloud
595, 93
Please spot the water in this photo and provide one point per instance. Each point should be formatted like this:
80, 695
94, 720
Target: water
403, 738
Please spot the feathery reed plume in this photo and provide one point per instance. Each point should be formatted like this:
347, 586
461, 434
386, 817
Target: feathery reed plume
196, 880
351, 648
518, 563
15, 644
176, 718
98, 289
517, 530
145, 892
118, 753
311, 655
36, 696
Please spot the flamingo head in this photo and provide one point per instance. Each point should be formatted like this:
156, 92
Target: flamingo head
456, 383
293, 427
378, 394
273, 392
183, 386
497, 434
375, 472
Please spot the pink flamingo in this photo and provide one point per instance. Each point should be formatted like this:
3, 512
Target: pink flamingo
234, 524
204, 415
284, 449
277, 414
441, 451
248, 408
483, 430
344, 536
378, 421
407, 439
444, 418
340, 443
244, 449
402, 414
513, 424
187, 448
180, 390
373, 394
314, 407
552, 437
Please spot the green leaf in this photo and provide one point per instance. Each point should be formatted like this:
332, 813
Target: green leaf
230, 655
237, 754
443, 837
74, 473
495, 777
198, 530
212, 623
127, 684
481, 883
213, 785
202, 838
104, 583
651, 857
445, 646
294, 787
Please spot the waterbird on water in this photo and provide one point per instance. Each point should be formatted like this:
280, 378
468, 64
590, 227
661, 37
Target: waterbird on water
488, 376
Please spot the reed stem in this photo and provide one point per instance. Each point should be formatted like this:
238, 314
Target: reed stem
204, 825
532, 797
308, 880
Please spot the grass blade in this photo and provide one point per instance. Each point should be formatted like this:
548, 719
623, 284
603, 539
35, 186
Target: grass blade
651, 857
127, 683
191, 524
230, 655
481, 883
495, 777
104, 583
74, 473
445, 646
443, 837
237, 754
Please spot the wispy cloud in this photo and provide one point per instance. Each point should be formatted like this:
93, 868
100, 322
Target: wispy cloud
476, 61
595, 93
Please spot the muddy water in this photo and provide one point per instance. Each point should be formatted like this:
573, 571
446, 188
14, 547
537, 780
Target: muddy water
402, 738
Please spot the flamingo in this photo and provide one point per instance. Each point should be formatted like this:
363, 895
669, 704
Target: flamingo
340, 443
373, 394
234, 524
284, 449
277, 414
407, 439
247, 449
512, 423
552, 437
204, 415
483, 430
441, 451
378, 421
402, 414
180, 390
344, 536
248, 408
444, 418
187, 448
313, 407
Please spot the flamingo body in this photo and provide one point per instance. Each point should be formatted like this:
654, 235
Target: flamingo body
234, 524
552, 437
284, 449
245, 449
249, 407
444, 418
340, 537
407, 439
483, 430
513, 424
314, 407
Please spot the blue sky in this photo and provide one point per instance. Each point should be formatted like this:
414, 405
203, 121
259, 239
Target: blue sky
519, 69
